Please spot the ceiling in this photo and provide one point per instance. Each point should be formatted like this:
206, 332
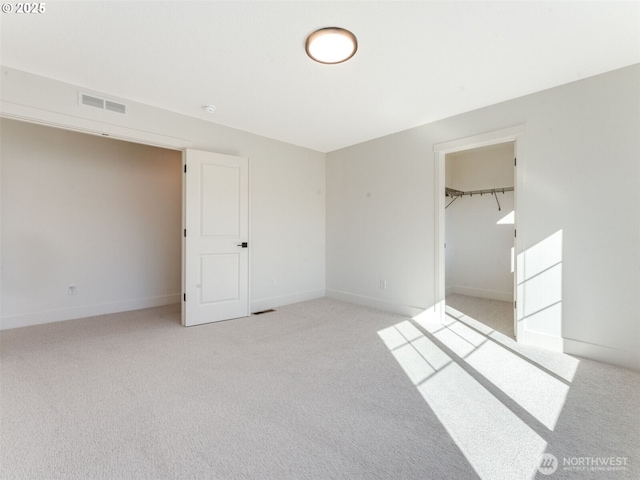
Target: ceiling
417, 61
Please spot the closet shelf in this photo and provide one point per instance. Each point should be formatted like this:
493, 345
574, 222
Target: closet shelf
452, 192
456, 194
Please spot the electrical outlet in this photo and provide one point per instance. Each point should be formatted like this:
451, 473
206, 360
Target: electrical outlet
383, 284
72, 290
272, 283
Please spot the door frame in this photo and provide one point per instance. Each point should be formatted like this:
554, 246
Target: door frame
100, 129
440, 151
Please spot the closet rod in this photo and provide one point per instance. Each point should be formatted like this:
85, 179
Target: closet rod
455, 194
452, 192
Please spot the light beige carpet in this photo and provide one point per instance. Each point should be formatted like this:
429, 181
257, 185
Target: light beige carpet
493, 313
316, 390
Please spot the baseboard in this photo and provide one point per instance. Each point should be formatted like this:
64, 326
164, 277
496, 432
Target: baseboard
601, 353
540, 340
476, 292
38, 318
390, 307
273, 302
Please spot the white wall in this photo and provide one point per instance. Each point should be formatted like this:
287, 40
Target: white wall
478, 253
102, 214
287, 183
580, 175
379, 226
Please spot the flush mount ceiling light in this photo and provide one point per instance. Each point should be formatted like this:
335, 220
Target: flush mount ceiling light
209, 108
331, 45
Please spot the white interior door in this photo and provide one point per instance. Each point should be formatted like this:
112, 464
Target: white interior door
215, 247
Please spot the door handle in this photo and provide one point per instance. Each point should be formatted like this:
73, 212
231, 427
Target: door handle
243, 244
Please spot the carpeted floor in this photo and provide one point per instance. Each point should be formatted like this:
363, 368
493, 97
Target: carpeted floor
493, 313
317, 390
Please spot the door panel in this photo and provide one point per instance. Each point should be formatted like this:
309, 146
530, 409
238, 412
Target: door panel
216, 266
219, 278
220, 186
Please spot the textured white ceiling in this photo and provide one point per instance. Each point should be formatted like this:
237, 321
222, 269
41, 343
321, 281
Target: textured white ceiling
417, 61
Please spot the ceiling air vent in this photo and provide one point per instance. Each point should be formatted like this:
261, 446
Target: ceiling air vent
115, 107
102, 103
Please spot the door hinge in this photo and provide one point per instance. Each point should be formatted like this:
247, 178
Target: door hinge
515, 162
184, 297
515, 304
185, 168
515, 233
185, 232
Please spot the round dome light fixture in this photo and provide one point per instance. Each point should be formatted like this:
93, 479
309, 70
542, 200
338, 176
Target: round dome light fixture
331, 45
209, 108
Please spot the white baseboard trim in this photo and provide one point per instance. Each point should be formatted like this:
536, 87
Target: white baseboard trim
39, 318
540, 340
601, 353
273, 302
476, 292
391, 307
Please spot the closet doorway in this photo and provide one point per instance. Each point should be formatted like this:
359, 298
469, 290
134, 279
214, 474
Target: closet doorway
479, 234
